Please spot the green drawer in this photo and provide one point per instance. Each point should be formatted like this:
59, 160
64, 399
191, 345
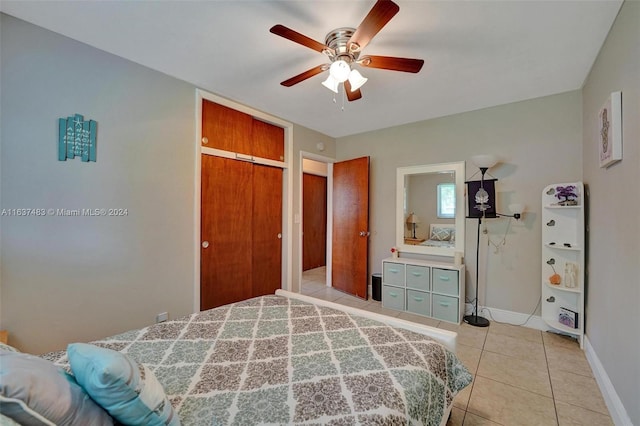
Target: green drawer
393, 273
418, 277
393, 297
419, 302
445, 281
445, 308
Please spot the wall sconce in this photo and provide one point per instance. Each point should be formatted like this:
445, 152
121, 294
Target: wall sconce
413, 220
516, 209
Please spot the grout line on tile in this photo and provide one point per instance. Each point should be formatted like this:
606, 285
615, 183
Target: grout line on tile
553, 396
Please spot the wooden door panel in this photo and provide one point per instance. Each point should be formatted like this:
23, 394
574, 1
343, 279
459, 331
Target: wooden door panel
226, 128
350, 218
225, 265
266, 237
314, 221
268, 140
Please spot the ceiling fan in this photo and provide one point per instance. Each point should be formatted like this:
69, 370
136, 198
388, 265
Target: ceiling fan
344, 45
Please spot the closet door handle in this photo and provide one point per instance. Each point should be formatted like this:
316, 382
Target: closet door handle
205, 244
279, 235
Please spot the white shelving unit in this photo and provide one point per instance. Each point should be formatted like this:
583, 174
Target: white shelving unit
563, 243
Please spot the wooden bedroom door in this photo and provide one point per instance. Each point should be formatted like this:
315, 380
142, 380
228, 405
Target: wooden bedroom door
225, 261
350, 241
314, 221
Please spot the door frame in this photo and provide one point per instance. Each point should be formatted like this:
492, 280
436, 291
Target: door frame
287, 185
329, 162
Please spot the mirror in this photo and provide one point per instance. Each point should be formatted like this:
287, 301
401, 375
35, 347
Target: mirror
430, 209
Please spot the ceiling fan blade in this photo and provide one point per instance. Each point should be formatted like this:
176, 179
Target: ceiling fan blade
351, 96
392, 63
378, 16
296, 37
305, 75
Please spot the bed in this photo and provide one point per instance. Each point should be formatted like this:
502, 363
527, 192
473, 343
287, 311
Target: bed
291, 359
441, 235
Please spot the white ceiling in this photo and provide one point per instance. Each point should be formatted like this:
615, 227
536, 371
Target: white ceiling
477, 53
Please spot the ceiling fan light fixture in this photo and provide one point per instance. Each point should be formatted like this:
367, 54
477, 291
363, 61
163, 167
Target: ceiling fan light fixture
356, 80
331, 84
340, 71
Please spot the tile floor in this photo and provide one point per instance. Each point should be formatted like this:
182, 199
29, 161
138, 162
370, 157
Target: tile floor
522, 376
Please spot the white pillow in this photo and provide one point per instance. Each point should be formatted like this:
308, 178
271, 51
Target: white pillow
33, 391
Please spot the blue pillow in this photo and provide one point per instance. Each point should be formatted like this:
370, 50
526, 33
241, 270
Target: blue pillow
33, 391
129, 391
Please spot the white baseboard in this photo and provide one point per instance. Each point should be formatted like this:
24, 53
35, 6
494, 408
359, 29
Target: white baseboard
515, 318
617, 411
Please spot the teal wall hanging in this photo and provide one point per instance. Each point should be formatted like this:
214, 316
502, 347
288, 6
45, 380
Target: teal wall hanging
77, 138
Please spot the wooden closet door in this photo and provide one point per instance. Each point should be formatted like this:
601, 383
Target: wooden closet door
226, 217
266, 237
268, 140
226, 129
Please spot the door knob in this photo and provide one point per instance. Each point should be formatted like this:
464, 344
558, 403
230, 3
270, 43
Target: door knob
279, 235
205, 140
364, 234
205, 244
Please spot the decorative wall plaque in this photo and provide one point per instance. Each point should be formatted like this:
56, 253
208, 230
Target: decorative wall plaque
77, 138
610, 130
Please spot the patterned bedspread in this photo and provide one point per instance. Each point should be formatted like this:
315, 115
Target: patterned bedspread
277, 360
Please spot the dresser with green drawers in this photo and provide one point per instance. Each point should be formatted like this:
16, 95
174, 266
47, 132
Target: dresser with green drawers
425, 288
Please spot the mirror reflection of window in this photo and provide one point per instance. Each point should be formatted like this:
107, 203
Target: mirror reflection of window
446, 201
417, 192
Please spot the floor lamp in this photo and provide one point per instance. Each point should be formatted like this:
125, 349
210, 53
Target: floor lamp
484, 162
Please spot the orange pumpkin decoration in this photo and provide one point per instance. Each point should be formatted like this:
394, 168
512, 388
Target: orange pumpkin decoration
555, 279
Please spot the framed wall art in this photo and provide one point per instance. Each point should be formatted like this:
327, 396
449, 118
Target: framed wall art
481, 197
610, 130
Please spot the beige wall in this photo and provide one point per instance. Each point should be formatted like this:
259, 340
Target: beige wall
539, 142
65, 279
613, 291
80, 278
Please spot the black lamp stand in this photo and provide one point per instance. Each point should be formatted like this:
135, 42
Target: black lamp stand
474, 319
